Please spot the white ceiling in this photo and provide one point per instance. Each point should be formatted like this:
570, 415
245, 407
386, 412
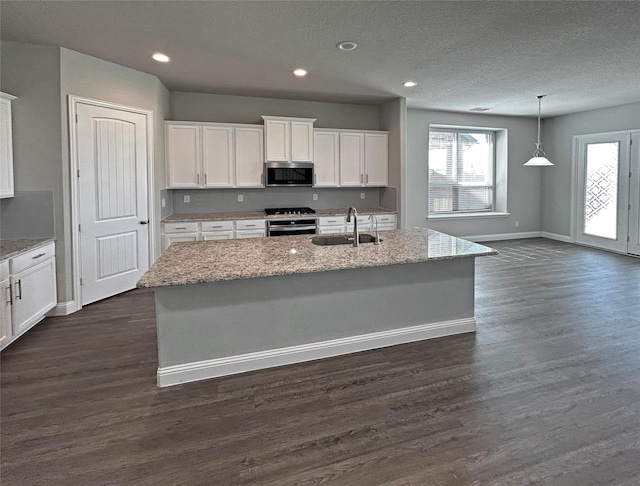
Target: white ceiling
501, 54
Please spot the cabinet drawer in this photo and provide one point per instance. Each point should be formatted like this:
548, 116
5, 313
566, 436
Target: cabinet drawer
386, 218
217, 235
259, 233
331, 230
180, 227
331, 220
361, 227
4, 269
217, 226
33, 257
250, 224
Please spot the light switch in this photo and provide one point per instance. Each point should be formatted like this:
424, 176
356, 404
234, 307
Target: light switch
164, 202
315, 197
362, 195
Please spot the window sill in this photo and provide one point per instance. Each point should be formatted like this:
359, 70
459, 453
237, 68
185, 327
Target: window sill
492, 214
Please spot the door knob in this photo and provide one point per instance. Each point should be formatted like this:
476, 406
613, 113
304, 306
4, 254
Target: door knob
144, 222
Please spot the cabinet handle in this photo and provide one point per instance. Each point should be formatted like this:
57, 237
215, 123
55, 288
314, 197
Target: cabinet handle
367, 180
250, 225
10, 301
360, 178
38, 256
19, 287
218, 226
181, 227
205, 178
315, 179
198, 178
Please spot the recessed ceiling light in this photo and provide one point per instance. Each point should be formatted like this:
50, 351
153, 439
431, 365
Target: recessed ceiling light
409, 84
346, 46
480, 109
158, 56
300, 72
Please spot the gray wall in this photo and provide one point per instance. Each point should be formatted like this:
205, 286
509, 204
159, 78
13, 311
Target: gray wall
32, 73
524, 183
558, 136
245, 109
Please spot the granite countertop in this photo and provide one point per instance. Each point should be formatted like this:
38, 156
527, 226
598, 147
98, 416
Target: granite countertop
232, 216
213, 261
12, 247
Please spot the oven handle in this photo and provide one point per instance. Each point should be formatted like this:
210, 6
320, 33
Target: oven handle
291, 228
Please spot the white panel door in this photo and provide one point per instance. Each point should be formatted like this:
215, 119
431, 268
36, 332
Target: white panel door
249, 151
376, 159
217, 156
603, 191
326, 159
114, 231
634, 196
183, 155
351, 159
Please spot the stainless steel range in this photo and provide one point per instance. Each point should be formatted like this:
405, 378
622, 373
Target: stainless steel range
291, 221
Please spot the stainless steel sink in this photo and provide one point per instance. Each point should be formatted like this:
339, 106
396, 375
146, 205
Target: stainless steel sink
331, 240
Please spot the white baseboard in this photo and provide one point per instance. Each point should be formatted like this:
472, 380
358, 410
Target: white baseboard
554, 236
63, 309
202, 370
503, 236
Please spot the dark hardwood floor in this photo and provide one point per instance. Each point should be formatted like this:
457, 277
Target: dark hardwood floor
547, 392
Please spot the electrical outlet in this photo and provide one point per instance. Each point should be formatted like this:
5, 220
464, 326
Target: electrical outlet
362, 195
315, 197
240, 198
187, 199
517, 224
164, 202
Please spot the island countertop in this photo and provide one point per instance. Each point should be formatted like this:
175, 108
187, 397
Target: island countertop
213, 261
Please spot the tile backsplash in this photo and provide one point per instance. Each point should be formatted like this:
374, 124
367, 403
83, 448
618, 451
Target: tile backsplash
222, 200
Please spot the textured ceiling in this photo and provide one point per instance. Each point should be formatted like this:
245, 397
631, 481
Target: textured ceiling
463, 54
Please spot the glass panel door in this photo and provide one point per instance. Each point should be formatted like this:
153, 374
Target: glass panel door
603, 191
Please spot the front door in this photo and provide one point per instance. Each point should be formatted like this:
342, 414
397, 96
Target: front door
603, 190
113, 207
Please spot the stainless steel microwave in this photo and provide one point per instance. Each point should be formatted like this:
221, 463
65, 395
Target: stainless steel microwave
289, 174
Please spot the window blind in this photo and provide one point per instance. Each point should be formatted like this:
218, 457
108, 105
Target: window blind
461, 168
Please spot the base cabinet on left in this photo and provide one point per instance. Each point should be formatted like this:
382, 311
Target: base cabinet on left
29, 292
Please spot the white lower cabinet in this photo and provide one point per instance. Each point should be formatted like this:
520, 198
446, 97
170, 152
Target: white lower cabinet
331, 225
178, 238
251, 228
212, 230
27, 291
217, 235
250, 234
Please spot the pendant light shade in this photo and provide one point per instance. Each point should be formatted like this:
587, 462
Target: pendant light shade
539, 158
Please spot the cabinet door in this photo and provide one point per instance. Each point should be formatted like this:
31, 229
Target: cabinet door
351, 159
5, 313
6, 149
217, 235
240, 234
34, 294
326, 159
183, 155
301, 141
278, 140
376, 159
249, 150
178, 237
217, 157
331, 230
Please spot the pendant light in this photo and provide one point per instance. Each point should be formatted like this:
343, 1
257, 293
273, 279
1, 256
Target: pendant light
538, 159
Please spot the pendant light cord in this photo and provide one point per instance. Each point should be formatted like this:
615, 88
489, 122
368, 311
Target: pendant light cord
539, 152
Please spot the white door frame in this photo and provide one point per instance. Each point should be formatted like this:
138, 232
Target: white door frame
73, 102
575, 217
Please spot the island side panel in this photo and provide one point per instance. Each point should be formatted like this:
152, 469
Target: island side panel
224, 319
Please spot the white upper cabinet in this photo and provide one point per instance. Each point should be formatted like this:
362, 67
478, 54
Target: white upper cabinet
351, 159
326, 158
217, 156
211, 155
249, 156
288, 139
6, 146
183, 155
376, 159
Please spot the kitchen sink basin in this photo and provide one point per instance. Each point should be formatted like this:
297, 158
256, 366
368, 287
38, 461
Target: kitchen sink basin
331, 240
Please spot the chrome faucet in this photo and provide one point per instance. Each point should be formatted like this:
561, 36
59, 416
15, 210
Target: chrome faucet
377, 239
356, 237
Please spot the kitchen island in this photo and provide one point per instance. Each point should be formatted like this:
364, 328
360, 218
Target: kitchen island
225, 307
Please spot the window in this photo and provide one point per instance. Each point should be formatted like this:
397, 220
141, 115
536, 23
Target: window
461, 171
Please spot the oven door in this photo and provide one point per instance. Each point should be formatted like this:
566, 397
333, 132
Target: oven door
288, 227
289, 174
